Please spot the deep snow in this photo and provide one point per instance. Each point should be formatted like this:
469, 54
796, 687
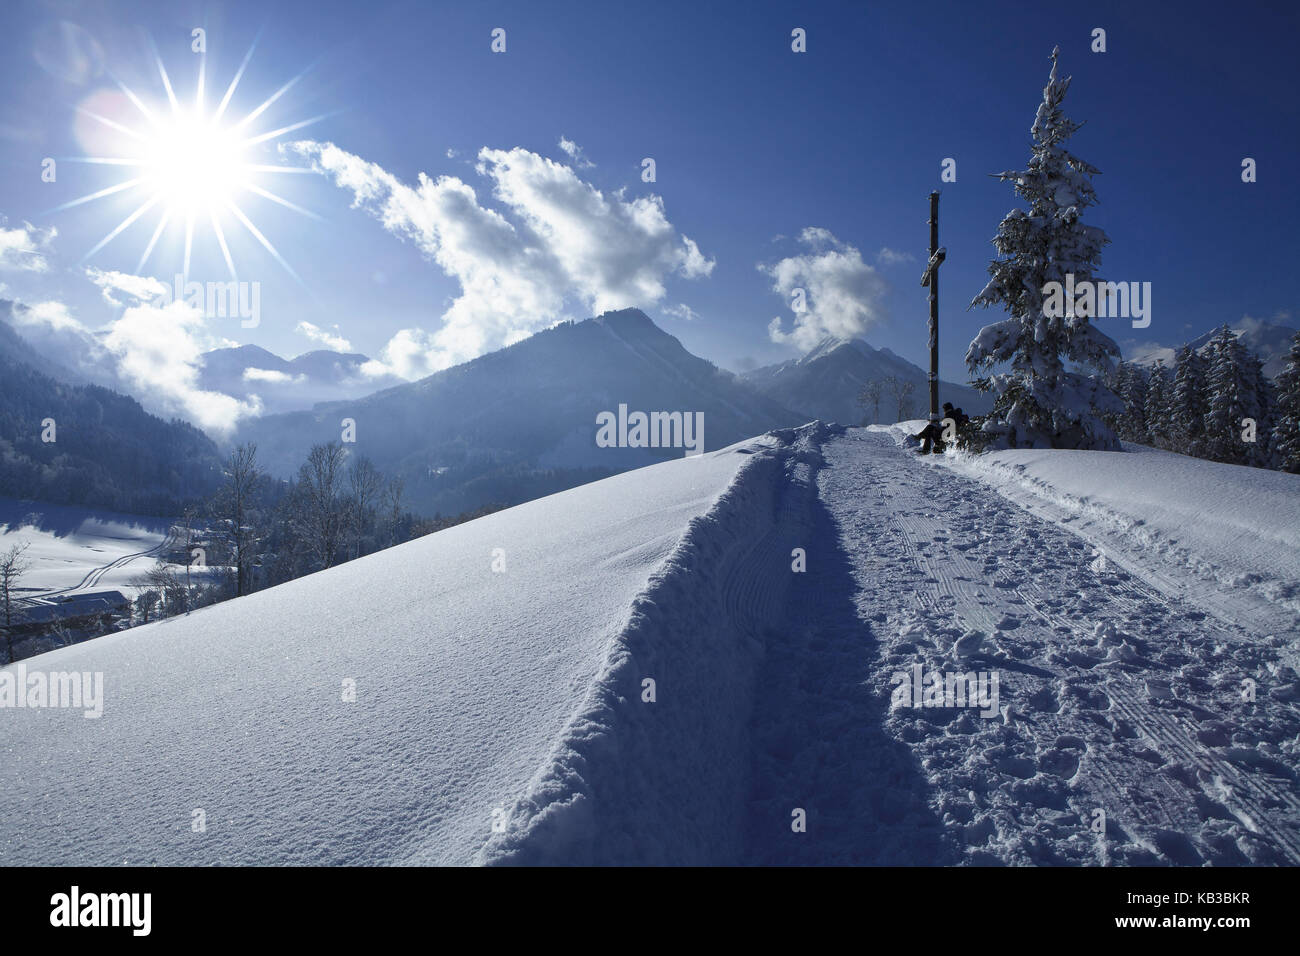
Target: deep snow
520, 698
466, 679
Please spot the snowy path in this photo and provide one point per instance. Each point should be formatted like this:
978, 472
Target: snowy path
1116, 698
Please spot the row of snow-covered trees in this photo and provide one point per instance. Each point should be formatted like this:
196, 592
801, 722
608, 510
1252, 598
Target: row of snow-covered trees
1218, 405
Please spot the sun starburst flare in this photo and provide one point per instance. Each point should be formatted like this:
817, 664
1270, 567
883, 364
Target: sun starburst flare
193, 165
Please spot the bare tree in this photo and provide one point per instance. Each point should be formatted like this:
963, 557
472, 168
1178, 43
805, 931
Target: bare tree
365, 484
234, 503
323, 509
170, 589
902, 391
190, 514
145, 603
870, 398
392, 496
12, 567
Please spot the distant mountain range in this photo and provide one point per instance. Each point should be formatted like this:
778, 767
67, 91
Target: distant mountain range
522, 422
1269, 341
285, 385
506, 427
106, 452
827, 382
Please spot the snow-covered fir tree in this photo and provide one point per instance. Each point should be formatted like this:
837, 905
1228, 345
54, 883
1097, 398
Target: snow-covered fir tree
1262, 453
1042, 401
1159, 420
1188, 403
1230, 399
1287, 428
1130, 386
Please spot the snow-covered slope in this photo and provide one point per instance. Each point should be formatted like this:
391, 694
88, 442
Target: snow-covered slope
1227, 534
466, 680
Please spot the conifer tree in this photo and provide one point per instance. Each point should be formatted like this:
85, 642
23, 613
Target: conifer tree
1159, 426
1286, 432
1230, 399
1264, 410
1129, 385
1188, 404
1041, 401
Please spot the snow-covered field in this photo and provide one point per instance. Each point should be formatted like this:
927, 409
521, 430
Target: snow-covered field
712, 660
79, 549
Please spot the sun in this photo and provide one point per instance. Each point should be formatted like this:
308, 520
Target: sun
190, 164
193, 166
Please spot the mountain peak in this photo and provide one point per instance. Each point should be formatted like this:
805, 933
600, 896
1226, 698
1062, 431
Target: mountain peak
627, 320
832, 343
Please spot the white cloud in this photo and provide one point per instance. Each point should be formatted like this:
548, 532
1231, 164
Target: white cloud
410, 354
158, 351
52, 315
843, 296
272, 376
119, 286
25, 248
574, 152
152, 351
565, 240
889, 257
336, 342
681, 311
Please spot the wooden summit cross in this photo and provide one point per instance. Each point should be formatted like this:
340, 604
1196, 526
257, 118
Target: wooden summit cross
931, 279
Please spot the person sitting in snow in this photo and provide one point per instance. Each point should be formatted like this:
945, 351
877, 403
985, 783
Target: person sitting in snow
931, 436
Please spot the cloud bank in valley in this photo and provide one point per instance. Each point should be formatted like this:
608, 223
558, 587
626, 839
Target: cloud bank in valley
152, 350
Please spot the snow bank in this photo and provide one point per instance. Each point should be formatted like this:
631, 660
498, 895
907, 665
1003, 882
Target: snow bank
642, 781
226, 737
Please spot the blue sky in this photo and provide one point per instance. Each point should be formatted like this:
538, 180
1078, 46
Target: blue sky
753, 144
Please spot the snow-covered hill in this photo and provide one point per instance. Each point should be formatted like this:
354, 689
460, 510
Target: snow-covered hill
702, 662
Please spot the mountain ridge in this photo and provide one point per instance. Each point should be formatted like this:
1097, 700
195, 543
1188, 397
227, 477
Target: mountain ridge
521, 421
